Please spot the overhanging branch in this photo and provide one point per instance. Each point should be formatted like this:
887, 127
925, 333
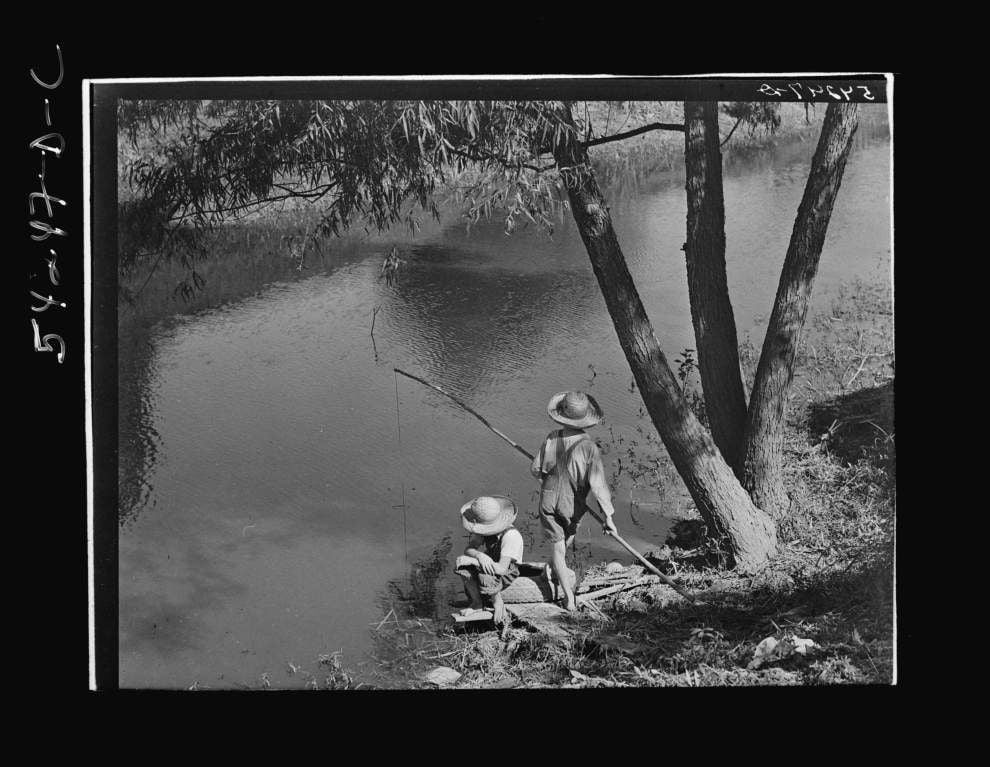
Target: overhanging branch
726, 139
480, 156
634, 132
312, 194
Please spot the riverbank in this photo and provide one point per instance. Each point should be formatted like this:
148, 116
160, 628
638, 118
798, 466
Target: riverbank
832, 582
619, 166
647, 153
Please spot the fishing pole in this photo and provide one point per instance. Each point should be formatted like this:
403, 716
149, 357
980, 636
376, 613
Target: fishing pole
649, 565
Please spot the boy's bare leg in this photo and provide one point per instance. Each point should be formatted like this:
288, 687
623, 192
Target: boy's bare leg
571, 575
563, 574
498, 608
569, 544
473, 591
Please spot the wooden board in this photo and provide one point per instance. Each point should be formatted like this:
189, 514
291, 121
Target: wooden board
477, 615
601, 580
529, 599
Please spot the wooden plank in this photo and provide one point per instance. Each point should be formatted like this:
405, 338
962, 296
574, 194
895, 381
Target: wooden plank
617, 588
600, 583
552, 619
600, 579
477, 615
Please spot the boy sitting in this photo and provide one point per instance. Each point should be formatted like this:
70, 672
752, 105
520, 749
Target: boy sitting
494, 550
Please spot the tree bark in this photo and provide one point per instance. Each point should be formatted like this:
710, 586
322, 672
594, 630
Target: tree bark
762, 459
711, 310
720, 499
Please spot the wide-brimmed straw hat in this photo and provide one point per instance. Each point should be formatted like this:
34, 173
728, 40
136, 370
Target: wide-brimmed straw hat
488, 514
574, 408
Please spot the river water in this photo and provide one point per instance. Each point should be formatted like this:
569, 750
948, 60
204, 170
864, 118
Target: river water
281, 487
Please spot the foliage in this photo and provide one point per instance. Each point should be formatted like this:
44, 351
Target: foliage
756, 115
356, 156
194, 165
365, 159
188, 166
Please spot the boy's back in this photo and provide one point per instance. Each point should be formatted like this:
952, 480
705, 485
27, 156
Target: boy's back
576, 446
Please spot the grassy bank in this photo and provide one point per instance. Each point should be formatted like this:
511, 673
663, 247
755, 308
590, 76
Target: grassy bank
832, 582
186, 279
621, 164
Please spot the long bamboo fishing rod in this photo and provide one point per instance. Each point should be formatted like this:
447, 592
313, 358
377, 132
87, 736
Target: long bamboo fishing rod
649, 565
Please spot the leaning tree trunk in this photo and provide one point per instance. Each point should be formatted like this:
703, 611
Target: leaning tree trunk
721, 500
711, 310
762, 460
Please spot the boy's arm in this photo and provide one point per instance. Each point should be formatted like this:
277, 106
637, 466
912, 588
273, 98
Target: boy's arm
472, 550
502, 566
599, 488
536, 468
512, 550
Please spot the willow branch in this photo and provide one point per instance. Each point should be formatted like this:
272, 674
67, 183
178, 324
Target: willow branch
479, 156
726, 139
313, 194
634, 132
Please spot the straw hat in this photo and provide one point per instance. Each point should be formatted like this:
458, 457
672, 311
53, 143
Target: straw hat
488, 515
574, 408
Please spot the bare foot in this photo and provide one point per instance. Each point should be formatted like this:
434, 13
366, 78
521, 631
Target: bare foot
571, 607
498, 609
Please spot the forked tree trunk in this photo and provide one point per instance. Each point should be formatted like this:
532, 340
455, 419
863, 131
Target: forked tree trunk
726, 508
711, 310
762, 460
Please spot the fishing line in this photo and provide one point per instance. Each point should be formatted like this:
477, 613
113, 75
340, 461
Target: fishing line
402, 481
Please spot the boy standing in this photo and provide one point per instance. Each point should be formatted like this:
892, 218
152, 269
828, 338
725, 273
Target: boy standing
569, 467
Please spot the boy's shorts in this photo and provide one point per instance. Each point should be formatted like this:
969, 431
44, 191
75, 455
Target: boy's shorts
558, 527
490, 585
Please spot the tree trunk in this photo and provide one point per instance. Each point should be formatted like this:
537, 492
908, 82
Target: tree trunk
721, 500
711, 310
763, 445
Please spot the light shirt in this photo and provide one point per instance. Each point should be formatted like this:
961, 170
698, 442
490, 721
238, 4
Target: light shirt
584, 468
511, 544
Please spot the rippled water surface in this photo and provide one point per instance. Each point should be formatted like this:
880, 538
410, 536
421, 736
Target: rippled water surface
271, 489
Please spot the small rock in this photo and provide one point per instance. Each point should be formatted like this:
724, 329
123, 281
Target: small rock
614, 567
803, 645
442, 676
765, 651
770, 650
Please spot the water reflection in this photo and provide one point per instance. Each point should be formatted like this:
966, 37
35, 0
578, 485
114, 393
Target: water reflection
138, 439
424, 591
475, 318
